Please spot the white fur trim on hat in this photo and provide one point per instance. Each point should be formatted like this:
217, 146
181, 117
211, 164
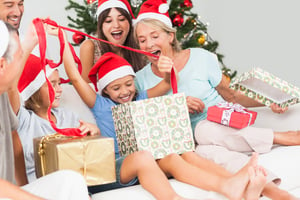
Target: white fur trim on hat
111, 4
166, 20
36, 83
4, 40
113, 75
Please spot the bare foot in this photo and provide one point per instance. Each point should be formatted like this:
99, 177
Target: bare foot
288, 138
234, 187
256, 184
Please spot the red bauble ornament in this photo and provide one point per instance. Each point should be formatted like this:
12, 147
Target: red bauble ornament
90, 1
78, 38
177, 19
187, 4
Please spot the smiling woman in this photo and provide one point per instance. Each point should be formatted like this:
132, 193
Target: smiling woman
115, 25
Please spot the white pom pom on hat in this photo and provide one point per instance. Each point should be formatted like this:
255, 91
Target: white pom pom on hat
154, 9
4, 39
163, 8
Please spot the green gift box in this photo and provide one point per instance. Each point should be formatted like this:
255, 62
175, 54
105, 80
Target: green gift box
266, 88
160, 125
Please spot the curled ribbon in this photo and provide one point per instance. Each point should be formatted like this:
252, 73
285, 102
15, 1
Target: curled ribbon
231, 107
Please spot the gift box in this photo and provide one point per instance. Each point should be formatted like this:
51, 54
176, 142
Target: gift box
91, 156
229, 114
266, 88
160, 125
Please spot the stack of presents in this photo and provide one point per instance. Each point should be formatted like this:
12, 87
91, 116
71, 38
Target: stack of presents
160, 125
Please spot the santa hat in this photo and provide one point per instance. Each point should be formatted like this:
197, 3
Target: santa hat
105, 4
108, 68
4, 39
33, 76
154, 9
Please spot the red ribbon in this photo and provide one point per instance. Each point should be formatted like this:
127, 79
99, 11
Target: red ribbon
42, 46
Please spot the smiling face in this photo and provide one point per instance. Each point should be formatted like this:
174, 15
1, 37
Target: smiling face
154, 40
11, 11
115, 27
121, 90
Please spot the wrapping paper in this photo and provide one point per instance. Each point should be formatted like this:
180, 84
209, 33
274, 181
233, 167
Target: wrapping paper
91, 156
266, 88
160, 125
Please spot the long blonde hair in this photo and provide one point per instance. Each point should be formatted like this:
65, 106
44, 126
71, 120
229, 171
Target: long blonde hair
154, 23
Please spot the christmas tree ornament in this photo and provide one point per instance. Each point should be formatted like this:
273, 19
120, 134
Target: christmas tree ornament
202, 39
186, 4
78, 38
90, 1
177, 19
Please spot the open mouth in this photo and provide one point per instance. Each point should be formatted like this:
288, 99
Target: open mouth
157, 52
126, 98
117, 35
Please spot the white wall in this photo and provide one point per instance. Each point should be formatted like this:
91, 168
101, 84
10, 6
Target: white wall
257, 33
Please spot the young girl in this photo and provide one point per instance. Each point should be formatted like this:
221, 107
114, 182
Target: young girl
33, 116
114, 25
113, 76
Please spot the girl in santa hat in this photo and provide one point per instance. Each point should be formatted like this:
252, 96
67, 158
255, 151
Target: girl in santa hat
33, 116
114, 24
113, 78
202, 81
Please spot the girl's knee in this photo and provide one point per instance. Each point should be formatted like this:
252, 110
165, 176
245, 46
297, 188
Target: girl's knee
143, 157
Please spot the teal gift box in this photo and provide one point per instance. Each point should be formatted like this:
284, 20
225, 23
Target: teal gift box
266, 88
160, 125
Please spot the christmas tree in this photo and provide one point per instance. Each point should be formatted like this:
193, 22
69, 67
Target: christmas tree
191, 31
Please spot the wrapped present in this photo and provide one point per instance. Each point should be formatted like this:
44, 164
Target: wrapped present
266, 88
229, 114
160, 125
91, 156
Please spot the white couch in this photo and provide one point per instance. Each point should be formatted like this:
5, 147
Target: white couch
283, 161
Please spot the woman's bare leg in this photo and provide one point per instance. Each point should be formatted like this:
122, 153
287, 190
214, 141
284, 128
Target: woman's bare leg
272, 191
288, 138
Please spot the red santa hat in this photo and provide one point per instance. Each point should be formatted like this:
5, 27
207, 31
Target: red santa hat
4, 39
105, 4
33, 76
154, 9
108, 68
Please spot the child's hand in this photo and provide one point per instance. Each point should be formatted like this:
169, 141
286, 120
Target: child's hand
88, 128
277, 109
31, 38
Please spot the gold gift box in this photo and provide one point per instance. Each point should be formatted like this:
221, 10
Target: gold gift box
91, 156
